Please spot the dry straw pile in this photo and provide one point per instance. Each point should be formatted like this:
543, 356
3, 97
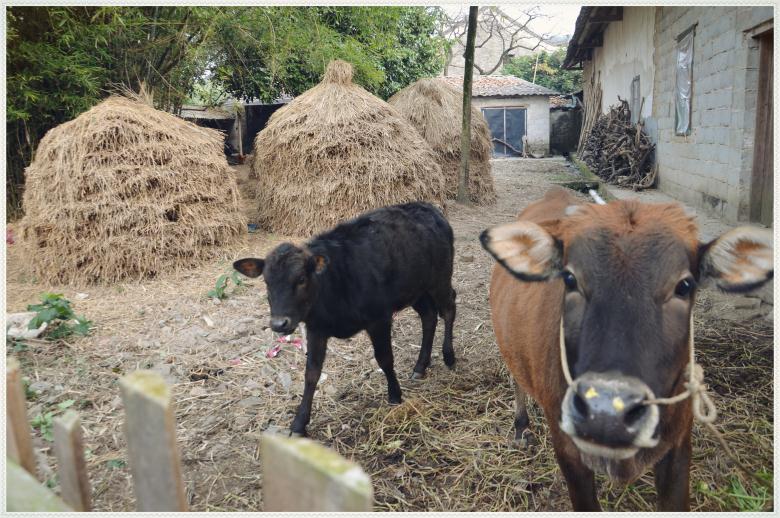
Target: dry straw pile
435, 108
125, 191
336, 151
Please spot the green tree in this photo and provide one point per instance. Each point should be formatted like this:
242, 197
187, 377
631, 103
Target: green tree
60, 61
259, 53
63, 60
548, 71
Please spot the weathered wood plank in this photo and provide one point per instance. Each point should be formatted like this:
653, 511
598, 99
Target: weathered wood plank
71, 467
25, 494
301, 475
150, 429
17, 427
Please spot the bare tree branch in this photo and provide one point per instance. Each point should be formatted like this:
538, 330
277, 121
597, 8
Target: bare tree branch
496, 27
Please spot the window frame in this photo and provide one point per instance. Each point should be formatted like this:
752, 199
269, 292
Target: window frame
692, 32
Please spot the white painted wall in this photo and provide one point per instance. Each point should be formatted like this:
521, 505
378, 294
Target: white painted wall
627, 52
537, 117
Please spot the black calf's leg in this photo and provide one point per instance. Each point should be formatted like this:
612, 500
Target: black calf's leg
316, 346
446, 306
427, 311
383, 352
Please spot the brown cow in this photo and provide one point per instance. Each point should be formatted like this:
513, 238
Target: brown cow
623, 277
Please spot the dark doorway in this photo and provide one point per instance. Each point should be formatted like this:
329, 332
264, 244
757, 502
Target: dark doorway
507, 129
762, 188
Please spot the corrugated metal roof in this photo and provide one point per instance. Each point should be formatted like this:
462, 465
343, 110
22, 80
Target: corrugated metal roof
500, 86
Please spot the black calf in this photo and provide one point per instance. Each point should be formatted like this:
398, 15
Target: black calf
354, 277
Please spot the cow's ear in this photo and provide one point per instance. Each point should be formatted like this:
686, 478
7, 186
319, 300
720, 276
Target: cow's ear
740, 260
250, 266
524, 248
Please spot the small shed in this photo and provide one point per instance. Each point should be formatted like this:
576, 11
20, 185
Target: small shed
514, 109
565, 123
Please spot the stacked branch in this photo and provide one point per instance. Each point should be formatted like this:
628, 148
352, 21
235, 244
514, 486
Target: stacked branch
619, 151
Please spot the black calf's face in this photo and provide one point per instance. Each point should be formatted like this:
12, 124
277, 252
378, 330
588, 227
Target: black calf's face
291, 276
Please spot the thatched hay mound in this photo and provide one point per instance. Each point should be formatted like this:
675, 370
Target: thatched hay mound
125, 191
336, 151
435, 108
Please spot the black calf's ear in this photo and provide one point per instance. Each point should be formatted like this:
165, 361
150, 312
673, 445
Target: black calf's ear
524, 248
740, 260
250, 266
320, 263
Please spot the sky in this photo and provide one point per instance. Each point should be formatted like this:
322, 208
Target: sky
557, 19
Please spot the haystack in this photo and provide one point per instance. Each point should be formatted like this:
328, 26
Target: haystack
125, 191
435, 108
336, 151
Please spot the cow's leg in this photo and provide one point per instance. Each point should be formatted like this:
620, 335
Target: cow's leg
671, 478
316, 345
427, 310
383, 352
580, 481
446, 306
521, 415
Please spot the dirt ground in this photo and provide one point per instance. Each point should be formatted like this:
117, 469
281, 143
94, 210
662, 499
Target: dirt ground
447, 447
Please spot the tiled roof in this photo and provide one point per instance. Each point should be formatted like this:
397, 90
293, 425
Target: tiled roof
500, 86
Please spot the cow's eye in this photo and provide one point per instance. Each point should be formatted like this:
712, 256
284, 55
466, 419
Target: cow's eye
301, 280
569, 280
684, 287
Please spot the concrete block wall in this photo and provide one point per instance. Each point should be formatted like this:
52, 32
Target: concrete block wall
710, 168
537, 117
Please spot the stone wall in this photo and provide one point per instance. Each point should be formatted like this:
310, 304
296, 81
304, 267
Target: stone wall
710, 168
537, 117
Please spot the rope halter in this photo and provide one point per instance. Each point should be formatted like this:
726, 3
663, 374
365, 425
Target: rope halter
703, 408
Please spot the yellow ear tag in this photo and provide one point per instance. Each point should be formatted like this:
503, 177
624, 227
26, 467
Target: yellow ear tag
591, 393
618, 404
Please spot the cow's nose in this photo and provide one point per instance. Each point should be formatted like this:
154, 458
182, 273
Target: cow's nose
280, 324
609, 410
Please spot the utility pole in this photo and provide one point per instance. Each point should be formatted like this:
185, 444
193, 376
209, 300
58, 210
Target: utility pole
465, 134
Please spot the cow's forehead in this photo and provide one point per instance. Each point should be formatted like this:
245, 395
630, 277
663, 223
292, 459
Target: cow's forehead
286, 259
651, 256
630, 221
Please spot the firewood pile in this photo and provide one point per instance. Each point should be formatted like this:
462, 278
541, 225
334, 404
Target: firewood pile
618, 151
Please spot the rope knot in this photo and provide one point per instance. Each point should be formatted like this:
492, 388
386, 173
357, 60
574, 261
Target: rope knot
703, 408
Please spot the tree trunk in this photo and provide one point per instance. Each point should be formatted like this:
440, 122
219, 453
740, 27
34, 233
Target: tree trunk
465, 135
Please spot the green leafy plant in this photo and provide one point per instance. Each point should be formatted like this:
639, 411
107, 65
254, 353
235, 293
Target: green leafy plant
55, 310
116, 463
736, 496
45, 422
219, 291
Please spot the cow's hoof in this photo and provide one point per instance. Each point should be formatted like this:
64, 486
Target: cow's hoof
519, 443
523, 440
298, 434
394, 400
417, 375
449, 360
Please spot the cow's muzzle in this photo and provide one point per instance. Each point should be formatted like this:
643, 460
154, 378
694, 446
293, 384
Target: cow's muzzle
284, 325
605, 414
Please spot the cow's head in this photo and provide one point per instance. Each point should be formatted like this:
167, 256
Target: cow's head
629, 273
292, 277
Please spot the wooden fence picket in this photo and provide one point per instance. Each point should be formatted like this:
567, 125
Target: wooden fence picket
71, 467
150, 429
18, 432
302, 475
